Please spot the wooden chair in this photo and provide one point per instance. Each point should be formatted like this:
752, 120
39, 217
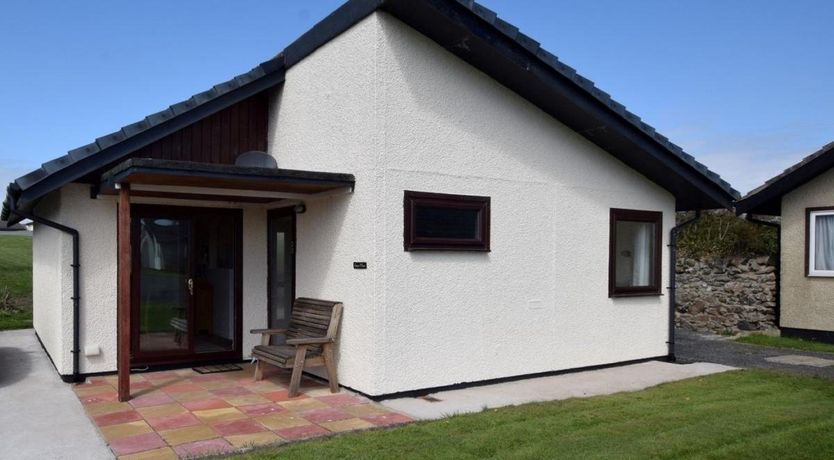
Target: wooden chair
310, 341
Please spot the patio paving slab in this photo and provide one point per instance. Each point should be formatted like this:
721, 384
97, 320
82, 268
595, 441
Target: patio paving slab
181, 413
41, 417
611, 380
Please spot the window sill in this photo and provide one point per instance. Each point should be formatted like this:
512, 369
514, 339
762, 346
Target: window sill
636, 294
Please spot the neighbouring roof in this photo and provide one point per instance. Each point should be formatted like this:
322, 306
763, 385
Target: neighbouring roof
4, 227
767, 198
466, 29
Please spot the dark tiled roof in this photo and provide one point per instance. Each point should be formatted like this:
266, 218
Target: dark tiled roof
766, 198
412, 12
143, 125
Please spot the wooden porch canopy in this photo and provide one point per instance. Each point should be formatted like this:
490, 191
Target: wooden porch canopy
206, 181
195, 181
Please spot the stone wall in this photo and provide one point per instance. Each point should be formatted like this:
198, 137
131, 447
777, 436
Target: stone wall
726, 295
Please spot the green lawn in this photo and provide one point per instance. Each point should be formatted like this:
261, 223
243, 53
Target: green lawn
741, 414
786, 342
15, 282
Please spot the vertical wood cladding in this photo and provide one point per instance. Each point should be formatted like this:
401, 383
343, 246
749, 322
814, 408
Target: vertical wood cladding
219, 138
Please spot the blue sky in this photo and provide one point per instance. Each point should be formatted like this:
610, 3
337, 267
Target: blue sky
745, 86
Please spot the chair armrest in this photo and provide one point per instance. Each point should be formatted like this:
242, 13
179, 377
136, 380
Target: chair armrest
309, 341
268, 331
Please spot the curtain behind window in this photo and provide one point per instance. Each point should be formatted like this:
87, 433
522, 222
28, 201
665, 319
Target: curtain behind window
643, 250
824, 243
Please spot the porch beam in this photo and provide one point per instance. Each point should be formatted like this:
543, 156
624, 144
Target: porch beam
231, 193
124, 294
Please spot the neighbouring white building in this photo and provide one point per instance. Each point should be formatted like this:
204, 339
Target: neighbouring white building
482, 211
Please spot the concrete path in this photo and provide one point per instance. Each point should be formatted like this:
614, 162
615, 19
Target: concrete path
632, 377
697, 347
40, 416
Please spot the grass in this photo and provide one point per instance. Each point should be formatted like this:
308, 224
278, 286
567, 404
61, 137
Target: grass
786, 342
15, 282
740, 414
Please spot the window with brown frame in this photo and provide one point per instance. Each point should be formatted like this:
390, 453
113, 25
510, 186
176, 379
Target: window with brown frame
819, 242
438, 221
634, 253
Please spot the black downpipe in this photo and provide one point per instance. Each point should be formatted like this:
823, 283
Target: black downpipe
76, 266
777, 311
673, 257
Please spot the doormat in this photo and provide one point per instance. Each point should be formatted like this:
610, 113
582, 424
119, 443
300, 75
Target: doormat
217, 369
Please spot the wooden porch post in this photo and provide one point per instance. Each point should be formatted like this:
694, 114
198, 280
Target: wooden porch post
124, 294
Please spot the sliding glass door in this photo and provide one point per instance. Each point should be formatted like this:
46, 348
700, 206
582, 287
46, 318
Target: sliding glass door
186, 303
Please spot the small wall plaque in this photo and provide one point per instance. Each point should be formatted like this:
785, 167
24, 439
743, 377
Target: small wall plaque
360, 265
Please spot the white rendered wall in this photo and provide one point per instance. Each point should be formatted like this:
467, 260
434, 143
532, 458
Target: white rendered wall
404, 114
51, 280
96, 222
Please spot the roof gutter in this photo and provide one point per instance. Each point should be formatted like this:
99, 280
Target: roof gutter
673, 258
13, 210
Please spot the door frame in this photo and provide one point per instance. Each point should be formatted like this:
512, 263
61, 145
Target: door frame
179, 212
270, 250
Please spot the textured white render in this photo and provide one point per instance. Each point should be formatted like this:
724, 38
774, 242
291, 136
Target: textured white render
50, 279
390, 106
96, 222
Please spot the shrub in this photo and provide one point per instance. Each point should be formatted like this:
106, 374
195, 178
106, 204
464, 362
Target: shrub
721, 234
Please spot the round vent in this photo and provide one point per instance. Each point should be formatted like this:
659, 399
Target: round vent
256, 159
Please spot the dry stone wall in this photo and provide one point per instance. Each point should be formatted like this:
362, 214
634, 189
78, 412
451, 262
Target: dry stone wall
726, 295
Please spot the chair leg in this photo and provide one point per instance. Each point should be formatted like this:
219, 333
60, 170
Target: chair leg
330, 367
295, 380
259, 370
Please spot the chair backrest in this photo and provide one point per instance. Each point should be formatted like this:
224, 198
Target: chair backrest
314, 318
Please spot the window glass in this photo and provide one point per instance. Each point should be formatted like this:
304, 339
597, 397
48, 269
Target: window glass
824, 242
635, 254
441, 222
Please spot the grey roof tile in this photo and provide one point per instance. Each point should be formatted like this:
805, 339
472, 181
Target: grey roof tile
109, 139
84, 151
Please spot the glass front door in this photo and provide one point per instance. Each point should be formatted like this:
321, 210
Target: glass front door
186, 303
281, 247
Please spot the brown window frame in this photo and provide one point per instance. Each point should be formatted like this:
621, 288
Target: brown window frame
633, 215
411, 242
808, 272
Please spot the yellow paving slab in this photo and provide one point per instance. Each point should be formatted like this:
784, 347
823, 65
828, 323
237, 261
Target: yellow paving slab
282, 420
347, 425
125, 429
161, 410
246, 400
179, 436
107, 407
89, 390
219, 415
254, 439
165, 453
